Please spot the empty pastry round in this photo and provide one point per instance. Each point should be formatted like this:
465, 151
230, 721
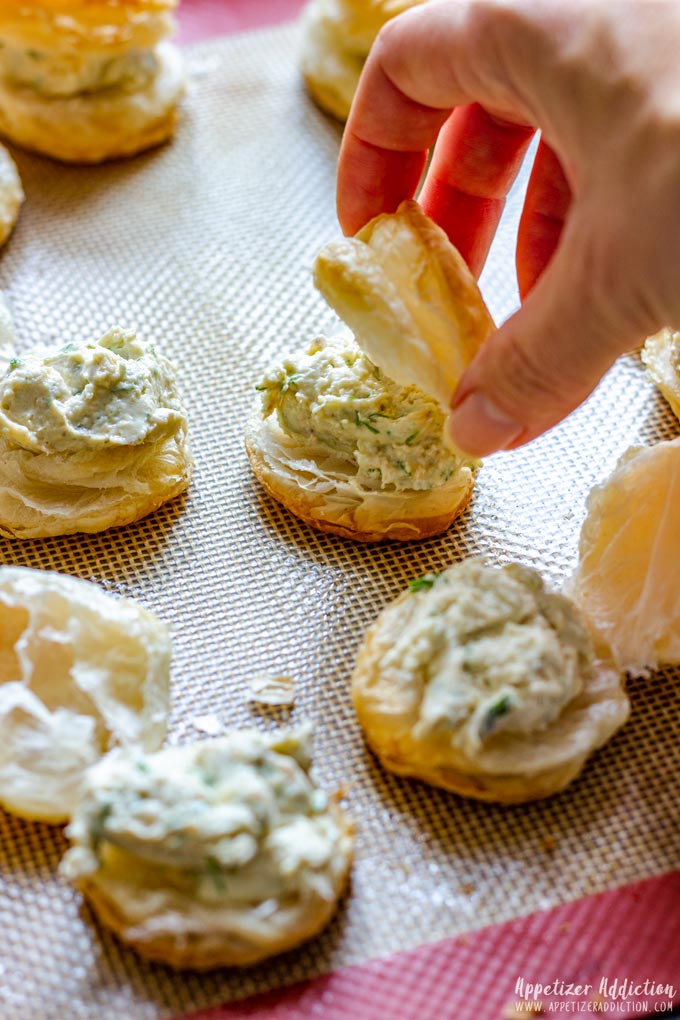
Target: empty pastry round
80, 672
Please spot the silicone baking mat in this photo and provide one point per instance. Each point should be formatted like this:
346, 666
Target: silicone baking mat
205, 247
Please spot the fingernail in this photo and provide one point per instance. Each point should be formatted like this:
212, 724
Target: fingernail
479, 427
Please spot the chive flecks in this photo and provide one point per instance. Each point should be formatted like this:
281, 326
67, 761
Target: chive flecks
366, 424
409, 439
498, 710
14, 363
97, 830
423, 583
215, 872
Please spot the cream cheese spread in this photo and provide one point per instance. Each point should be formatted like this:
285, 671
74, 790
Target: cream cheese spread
336, 399
74, 72
231, 822
117, 391
489, 651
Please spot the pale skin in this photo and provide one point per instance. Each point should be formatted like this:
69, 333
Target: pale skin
598, 252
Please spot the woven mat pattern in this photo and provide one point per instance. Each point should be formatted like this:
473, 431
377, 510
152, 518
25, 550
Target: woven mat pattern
205, 247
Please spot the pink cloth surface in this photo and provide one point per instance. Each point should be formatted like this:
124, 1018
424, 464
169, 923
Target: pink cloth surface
202, 19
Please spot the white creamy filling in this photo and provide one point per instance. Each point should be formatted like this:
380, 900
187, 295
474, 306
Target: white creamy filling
85, 396
70, 73
336, 399
492, 652
232, 821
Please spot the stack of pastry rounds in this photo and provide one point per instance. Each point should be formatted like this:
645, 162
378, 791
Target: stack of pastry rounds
80, 672
337, 37
84, 81
92, 436
217, 853
342, 436
479, 681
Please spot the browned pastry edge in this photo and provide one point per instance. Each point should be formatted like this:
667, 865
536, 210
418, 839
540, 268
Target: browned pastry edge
310, 509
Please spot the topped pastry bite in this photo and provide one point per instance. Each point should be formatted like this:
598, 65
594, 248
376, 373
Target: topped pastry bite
352, 452
479, 680
80, 672
337, 37
92, 436
86, 81
351, 438
215, 853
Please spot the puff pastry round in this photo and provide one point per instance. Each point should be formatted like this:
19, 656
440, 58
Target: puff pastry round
85, 82
217, 853
479, 681
80, 672
337, 37
92, 436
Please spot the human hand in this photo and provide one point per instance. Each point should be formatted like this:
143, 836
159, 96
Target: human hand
598, 252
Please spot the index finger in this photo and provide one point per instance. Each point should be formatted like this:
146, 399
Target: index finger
423, 64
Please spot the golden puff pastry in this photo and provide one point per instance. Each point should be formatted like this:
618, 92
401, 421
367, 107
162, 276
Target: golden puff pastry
11, 194
85, 81
92, 436
661, 355
479, 681
80, 672
350, 451
409, 298
221, 852
337, 37
626, 579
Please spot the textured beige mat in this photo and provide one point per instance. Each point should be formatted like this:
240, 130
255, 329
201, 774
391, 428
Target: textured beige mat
206, 246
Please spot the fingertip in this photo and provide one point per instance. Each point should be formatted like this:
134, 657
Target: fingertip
479, 427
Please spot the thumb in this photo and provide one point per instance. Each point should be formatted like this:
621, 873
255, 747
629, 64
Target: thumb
549, 356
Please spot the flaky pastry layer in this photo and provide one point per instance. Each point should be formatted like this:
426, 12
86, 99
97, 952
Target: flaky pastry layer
327, 498
409, 298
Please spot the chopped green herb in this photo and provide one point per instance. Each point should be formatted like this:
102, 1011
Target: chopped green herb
499, 709
141, 766
409, 439
13, 363
404, 468
261, 389
473, 466
97, 830
212, 866
423, 583
366, 425
379, 414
